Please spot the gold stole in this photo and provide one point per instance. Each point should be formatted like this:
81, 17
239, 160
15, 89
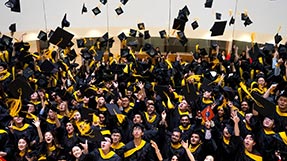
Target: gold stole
3, 131
193, 149
207, 101
283, 137
280, 113
226, 140
7, 74
133, 150
268, 132
24, 127
184, 128
127, 109
175, 146
120, 145
106, 156
50, 121
253, 156
182, 113
52, 148
150, 120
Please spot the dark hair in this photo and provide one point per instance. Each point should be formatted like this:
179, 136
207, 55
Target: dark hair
139, 126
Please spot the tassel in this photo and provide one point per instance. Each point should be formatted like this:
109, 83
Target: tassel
169, 104
15, 104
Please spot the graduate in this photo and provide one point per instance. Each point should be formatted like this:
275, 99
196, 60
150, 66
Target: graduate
138, 149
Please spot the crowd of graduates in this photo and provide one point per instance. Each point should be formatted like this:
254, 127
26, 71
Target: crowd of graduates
220, 105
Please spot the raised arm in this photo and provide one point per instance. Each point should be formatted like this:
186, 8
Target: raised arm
188, 152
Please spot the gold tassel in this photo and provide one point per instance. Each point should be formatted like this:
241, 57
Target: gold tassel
252, 74
243, 86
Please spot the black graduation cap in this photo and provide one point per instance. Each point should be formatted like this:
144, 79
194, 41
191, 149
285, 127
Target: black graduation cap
47, 67
141, 26
182, 39
247, 22
99, 55
65, 22
194, 25
51, 33
80, 43
146, 34
61, 38
122, 36
268, 47
104, 2
189, 92
14, 5
244, 16
125, 52
106, 36
178, 24
20, 86
277, 38
124, 2
12, 27
86, 54
113, 109
208, 3
96, 11
149, 49
119, 10
84, 9
206, 84
218, 28
72, 55
6, 40
133, 43
255, 52
263, 106
28, 72
231, 21
218, 15
133, 33
42, 36
185, 10
162, 34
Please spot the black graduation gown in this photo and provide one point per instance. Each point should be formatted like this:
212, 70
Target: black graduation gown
143, 152
242, 154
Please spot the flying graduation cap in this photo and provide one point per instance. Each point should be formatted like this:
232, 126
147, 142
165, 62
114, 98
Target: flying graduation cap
84, 9
14, 5
208, 4
119, 11
61, 38
65, 22
218, 28
194, 25
96, 11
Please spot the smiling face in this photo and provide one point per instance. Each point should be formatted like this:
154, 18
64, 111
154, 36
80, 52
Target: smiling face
48, 137
282, 103
22, 144
194, 139
77, 152
175, 137
268, 123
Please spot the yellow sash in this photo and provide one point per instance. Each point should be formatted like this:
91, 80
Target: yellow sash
226, 140
131, 151
175, 146
248, 127
268, 132
182, 113
283, 137
3, 131
184, 128
50, 121
52, 148
24, 127
106, 156
120, 145
280, 113
253, 156
193, 149
149, 120
207, 101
